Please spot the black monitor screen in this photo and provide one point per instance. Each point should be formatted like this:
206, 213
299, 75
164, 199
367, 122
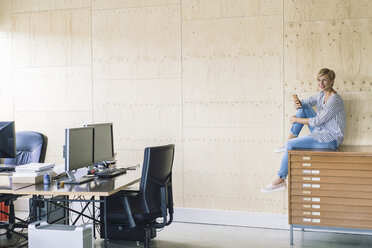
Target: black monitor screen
79, 148
103, 142
7, 140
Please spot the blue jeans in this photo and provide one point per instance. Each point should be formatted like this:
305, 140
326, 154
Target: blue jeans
306, 111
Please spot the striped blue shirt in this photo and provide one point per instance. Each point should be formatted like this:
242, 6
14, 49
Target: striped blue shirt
330, 122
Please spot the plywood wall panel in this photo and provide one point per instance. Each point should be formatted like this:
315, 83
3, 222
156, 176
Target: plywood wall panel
134, 47
6, 82
312, 10
119, 4
195, 9
145, 112
340, 45
232, 114
226, 72
223, 49
53, 125
5, 18
52, 38
53, 89
358, 128
212, 156
20, 6
361, 8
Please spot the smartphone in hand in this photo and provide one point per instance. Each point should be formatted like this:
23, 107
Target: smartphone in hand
295, 97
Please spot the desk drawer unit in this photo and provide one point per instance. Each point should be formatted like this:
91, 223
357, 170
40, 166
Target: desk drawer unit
330, 189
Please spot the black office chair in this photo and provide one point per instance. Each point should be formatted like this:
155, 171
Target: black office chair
132, 215
30, 148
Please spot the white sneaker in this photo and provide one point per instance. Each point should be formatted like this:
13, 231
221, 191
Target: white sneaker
274, 187
280, 149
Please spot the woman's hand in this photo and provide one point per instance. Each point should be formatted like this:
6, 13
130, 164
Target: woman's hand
297, 104
293, 119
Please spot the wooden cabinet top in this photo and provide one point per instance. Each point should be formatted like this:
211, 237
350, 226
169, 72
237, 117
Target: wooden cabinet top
343, 150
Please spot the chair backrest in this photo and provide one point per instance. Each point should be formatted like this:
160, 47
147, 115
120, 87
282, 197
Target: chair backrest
156, 173
31, 148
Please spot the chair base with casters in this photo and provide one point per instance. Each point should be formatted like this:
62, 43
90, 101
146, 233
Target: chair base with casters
121, 232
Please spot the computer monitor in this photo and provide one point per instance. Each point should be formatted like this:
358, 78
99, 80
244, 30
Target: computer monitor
78, 149
103, 142
7, 140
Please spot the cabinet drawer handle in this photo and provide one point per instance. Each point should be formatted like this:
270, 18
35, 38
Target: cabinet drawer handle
306, 158
306, 171
315, 172
306, 219
306, 164
306, 206
315, 199
306, 199
316, 213
315, 178
306, 178
315, 206
316, 220
315, 186
307, 192
306, 213
306, 185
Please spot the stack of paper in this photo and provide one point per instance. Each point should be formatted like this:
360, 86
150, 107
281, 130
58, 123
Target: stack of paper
32, 173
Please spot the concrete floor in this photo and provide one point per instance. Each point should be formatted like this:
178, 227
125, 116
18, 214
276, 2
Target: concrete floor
186, 235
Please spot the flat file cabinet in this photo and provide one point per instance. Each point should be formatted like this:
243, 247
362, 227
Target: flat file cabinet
330, 189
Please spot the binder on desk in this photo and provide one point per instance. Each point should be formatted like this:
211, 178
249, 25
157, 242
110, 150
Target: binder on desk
34, 167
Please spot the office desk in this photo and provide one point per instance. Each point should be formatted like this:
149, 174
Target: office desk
330, 189
97, 188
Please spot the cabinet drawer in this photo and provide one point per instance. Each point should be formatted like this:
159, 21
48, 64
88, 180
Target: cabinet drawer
309, 184
367, 224
331, 180
333, 215
330, 207
330, 200
335, 173
331, 158
331, 193
334, 166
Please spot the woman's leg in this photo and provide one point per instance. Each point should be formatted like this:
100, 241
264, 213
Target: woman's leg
306, 111
300, 142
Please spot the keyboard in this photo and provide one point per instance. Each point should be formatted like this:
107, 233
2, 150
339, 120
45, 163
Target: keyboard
80, 180
111, 172
6, 169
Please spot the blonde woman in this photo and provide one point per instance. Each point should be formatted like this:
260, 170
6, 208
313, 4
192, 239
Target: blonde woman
327, 127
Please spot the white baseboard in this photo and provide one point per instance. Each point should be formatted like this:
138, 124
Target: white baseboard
231, 218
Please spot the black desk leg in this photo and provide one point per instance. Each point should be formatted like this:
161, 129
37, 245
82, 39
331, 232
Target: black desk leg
34, 208
105, 219
94, 218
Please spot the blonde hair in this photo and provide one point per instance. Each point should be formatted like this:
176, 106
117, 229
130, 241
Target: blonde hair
325, 71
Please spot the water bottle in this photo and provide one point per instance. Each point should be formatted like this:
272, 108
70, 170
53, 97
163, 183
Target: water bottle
46, 179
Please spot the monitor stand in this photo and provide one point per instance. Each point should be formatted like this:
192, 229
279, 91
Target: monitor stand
71, 175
